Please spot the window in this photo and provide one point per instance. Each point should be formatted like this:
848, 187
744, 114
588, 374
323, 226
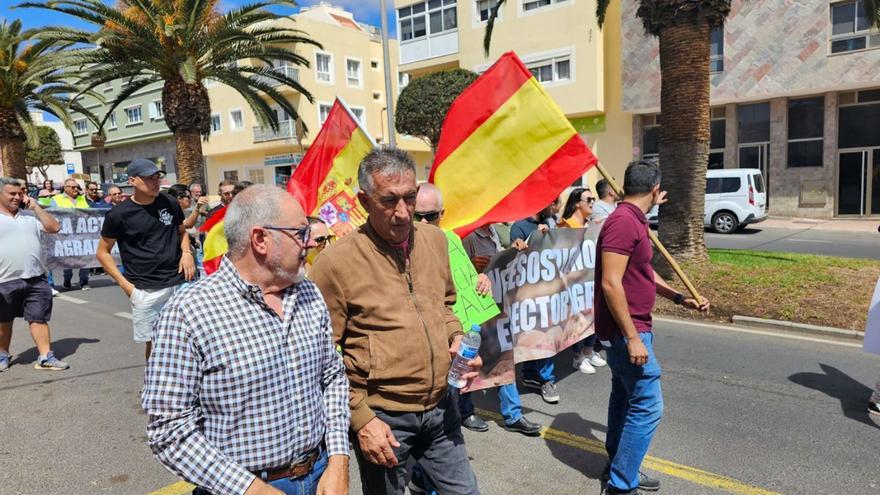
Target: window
353, 72
414, 21
806, 126
484, 9
256, 175
359, 115
718, 185
716, 50
108, 86
753, 123
717, 138
216, 125
324, 67
651, 136
537, 4
859, 113
374, 64
236, 120
850, 29
323, 112
133, 115
156, 112
402, 81
112, 121
230, 175
551, 70
81, 127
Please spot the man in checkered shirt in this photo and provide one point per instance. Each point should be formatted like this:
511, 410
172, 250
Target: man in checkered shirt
244, 390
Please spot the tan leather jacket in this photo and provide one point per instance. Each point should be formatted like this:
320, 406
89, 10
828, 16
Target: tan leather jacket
392, 316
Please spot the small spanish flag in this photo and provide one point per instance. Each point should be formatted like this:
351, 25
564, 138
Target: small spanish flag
215, 245
506, 150
325, 181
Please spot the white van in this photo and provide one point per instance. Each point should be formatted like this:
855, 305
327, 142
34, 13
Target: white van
735, 197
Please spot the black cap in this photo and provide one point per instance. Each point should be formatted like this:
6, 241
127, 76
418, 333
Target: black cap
141, 167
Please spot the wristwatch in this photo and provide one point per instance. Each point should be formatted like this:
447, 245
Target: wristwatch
678, 299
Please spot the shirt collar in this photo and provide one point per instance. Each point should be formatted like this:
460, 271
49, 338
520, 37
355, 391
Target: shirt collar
636, 211
247, 290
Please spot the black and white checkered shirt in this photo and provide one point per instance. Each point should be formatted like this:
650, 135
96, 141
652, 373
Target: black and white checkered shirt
231, 388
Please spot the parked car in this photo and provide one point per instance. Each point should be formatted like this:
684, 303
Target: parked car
735, 197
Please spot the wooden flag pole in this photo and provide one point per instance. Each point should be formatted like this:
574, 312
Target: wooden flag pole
674, 264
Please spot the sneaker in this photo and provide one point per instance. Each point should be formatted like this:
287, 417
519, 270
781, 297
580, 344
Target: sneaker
525, 427
85, 287
582, 364
67, 286
532, 383
596, 360
549, 393
474, 423
4, 361
873, 407
55, 292
415, 489
50, 362
646, 482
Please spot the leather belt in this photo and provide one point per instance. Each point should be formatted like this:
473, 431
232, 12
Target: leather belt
297, 469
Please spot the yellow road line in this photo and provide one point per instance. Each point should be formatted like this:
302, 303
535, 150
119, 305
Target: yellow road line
687, 473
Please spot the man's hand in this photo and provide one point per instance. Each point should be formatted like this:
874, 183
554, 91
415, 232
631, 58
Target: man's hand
638, 353
376, 440
128, 288
28, 202
260, 487
543, 228
484, 285
702, 305
474, 364
202, 204
187, 266
480, 262
520, 245
334, 481
661, 198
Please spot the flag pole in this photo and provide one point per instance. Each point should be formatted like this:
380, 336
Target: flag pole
660, 247
391, 139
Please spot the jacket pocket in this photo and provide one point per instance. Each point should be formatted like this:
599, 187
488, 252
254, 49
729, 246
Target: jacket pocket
393, 355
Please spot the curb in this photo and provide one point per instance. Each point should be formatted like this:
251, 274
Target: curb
799, 328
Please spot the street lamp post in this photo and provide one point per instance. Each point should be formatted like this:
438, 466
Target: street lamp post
389, 89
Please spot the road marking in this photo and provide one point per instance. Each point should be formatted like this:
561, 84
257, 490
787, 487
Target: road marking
123, 314
809, 240
65, 297
687, 473
766, 333
179, 488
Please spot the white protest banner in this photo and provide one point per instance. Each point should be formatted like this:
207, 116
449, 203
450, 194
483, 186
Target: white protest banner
546, 299
872, 328
74, 246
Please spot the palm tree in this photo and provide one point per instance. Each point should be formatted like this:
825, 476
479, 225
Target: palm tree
182, 43
30, 79
683, 28
872, 12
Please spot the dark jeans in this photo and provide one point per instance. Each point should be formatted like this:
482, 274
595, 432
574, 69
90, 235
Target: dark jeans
634, 411
508, 400
307, 485
83, 276
433, 439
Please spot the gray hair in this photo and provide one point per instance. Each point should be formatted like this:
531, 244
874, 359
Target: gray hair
640, 177
384, 161
11, 181
428, 188
256, 206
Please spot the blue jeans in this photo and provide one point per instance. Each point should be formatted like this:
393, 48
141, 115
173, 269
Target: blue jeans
508, 400
539, 369
307, 485
83, 276
587, 343
634, 411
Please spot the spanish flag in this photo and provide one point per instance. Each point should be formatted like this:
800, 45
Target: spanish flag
325, 181
506, 150
215, 245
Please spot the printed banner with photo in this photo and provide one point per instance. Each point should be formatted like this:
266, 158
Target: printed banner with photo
74, 246
546, 299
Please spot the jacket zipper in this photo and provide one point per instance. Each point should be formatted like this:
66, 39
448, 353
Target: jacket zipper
412, 294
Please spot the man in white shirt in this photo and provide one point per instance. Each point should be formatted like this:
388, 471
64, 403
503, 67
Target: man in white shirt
24, 291
607, 201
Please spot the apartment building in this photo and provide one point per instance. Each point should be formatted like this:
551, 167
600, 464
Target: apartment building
794, 92
558, 40
72, 165
349, 65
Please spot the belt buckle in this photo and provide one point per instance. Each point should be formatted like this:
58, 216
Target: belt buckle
302, 468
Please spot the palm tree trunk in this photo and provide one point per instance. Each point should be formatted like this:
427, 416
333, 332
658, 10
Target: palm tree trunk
12, 156
190, 162
684, 136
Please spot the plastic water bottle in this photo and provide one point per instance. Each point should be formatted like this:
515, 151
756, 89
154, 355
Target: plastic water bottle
467, 351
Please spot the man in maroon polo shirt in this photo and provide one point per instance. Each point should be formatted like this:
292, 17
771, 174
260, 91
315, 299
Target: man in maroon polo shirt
625, 291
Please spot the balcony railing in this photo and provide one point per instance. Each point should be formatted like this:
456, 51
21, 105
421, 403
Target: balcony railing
291, 72
286, 130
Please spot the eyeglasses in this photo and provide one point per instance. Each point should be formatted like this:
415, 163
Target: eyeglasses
92, 189
589, 200
430, 216
324, 240
299, 233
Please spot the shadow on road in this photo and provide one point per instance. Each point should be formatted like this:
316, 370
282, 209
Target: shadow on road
62, 348
852, 394
591, 464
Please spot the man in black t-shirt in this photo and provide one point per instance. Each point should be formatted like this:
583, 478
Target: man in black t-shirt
153, 246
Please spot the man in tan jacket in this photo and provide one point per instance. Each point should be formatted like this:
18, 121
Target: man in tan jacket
390, 293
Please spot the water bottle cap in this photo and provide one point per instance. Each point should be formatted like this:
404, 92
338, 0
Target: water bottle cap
475, 328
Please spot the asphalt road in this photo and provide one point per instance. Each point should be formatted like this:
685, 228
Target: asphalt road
806, 240
745, 413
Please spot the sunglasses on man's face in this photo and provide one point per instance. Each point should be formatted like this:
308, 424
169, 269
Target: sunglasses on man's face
430, 216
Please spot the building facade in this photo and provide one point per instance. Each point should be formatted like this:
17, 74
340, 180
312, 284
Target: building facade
558, 40
794, 93
349, 65
72, 165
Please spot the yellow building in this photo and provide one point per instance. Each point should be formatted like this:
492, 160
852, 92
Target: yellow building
558, 40
349, 65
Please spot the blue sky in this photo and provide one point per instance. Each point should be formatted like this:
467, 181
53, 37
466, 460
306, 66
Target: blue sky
364, 10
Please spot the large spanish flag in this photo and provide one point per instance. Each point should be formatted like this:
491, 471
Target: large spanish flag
215, 245
506, 150
325, 181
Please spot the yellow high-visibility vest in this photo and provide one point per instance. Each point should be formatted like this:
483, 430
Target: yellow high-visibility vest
63, 201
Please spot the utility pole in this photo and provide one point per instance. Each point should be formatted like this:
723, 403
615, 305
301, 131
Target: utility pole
389, 89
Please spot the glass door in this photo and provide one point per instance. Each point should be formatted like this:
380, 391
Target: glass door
756, 156
852, 182
875, 182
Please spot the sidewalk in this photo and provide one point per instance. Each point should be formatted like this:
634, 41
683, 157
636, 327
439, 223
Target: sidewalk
839, 224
